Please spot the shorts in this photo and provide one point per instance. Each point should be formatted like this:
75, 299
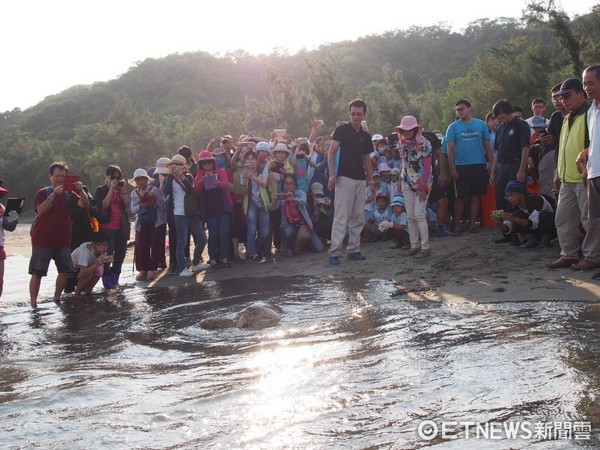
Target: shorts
41, 256
2, 252
593, 190
472, 180
437, 191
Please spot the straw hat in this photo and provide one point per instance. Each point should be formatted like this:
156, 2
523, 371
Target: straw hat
177, 159
139, 173
281, 147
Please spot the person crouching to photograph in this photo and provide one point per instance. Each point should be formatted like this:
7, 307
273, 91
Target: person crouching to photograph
88, 260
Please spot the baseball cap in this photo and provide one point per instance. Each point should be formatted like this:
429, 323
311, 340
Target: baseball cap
570, 85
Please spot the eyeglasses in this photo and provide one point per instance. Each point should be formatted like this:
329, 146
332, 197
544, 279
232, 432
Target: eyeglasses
460, 108
177, 164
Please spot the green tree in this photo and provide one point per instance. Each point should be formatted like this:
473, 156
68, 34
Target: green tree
325, 87
546, 12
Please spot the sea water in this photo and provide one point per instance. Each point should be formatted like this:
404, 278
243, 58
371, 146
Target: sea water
349, 366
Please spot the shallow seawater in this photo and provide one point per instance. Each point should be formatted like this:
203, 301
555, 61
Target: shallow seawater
348, 366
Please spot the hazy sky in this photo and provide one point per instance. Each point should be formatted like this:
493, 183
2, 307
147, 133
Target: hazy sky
51, 45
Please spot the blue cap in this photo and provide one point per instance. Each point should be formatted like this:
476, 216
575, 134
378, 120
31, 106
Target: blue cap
515, 186
398, 201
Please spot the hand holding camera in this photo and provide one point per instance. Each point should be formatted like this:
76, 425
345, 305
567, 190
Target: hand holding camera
12, 217
106, 259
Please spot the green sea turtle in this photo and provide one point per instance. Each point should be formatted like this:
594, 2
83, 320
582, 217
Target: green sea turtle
257, 315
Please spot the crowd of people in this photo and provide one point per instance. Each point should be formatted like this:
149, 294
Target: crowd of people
247, 198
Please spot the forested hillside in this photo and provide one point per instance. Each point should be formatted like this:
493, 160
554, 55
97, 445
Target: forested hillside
160, 104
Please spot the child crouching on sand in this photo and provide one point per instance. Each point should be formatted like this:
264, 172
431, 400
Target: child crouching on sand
88, 260
381, 213
399, 220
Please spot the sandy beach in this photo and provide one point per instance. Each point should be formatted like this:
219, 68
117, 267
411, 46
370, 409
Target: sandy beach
466, 268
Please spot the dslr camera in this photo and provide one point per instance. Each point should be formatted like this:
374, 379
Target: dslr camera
393, 140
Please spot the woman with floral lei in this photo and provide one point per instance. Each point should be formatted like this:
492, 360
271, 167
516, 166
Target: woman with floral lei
417, 178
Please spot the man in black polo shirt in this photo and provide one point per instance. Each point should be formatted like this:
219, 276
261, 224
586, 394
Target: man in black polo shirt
349, 181
511, 148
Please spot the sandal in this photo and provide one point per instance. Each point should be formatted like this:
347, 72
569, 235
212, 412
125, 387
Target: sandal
141, 276
151, 275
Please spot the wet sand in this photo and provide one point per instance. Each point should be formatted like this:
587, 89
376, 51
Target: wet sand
466, 268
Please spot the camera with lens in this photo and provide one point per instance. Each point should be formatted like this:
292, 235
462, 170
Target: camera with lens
393, 140
120, 183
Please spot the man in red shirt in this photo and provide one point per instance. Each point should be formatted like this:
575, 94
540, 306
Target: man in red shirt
51, 231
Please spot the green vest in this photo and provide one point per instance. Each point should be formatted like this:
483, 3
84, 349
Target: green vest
264, 195
572, 142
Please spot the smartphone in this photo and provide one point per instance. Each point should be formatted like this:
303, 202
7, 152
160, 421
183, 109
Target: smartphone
282, 196
70, 182
15, 204
280, 135
210, 181
276, 166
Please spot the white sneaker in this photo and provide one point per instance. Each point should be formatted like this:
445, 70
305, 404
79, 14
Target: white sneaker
200, 266
186, 273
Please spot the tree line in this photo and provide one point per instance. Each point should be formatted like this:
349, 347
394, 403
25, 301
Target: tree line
160, 104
